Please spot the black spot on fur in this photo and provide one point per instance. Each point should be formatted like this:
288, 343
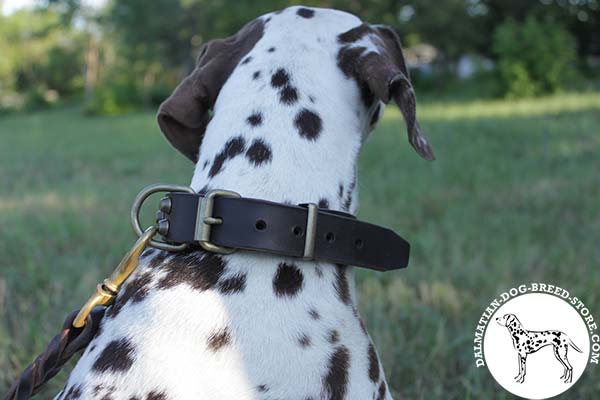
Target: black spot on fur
341, 191
159, 258
268, 19
256, 75
323, 203
205, 164
311, 99
348, 200
117, 356
319, 272
235, 284
288, 280
199, 273
259, 152
333, 337
280, 78
381, 392
354, 34
262, 388
314, 314
218, 339
341, 284
73, 393
246, 60
305, 12
288, 95
304, 341
232, 148
255, 119
309, 124
373, 364
271, 49
204, 189
156, 395
96, 389
135, 291
336, 380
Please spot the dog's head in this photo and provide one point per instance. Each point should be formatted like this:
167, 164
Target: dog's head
334, 46
508, 320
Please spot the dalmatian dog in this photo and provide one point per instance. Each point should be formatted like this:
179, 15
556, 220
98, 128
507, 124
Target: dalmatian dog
528, 342
278, 111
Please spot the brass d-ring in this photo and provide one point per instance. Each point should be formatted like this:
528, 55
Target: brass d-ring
137, 206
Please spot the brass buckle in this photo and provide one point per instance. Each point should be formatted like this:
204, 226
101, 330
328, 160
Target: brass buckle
109, 288
137, 205
205, 220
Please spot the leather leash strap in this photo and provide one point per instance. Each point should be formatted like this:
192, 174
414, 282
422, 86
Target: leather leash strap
60, 349
302, 231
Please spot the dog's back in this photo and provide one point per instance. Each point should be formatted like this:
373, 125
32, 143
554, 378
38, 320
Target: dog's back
281, 110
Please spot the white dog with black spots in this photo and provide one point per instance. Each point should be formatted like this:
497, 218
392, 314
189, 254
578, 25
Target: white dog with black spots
280, 112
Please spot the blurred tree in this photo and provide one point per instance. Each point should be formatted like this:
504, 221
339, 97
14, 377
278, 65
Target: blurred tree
580, 17
452, 26
42, 59
534, 57
136, 51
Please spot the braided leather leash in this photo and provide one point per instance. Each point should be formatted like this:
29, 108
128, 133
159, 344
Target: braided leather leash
61, 348
79, 327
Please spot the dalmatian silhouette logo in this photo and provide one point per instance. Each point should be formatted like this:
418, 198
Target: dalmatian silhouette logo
527, 342
547, 340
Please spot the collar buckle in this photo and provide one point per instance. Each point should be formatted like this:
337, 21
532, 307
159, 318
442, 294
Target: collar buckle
205, 220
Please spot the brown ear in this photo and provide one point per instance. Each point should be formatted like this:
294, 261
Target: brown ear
183, 117
387, 76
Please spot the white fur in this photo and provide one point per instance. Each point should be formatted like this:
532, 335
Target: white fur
170, 327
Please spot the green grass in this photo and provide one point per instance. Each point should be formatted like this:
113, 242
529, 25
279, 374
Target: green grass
514, 197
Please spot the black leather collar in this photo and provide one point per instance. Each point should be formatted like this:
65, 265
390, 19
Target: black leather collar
222, 221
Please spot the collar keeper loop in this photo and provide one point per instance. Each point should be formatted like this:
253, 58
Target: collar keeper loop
311, 231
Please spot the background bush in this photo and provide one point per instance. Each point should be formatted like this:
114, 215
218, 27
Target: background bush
535, 57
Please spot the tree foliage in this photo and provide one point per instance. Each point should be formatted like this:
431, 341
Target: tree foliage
534, 57
133, 52
41, 58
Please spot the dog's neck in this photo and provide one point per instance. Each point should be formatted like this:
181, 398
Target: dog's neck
261, 163
287, 131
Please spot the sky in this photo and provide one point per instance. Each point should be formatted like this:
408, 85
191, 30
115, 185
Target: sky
10, 6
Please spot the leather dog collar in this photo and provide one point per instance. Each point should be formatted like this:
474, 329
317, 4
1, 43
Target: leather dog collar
223, 221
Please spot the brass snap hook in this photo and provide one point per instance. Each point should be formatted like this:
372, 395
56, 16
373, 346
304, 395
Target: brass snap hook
107, 290
137, 205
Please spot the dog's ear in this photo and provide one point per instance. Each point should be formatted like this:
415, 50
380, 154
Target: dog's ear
386, 75
183, 117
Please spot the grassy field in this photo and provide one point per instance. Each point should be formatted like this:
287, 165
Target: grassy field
514, 197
